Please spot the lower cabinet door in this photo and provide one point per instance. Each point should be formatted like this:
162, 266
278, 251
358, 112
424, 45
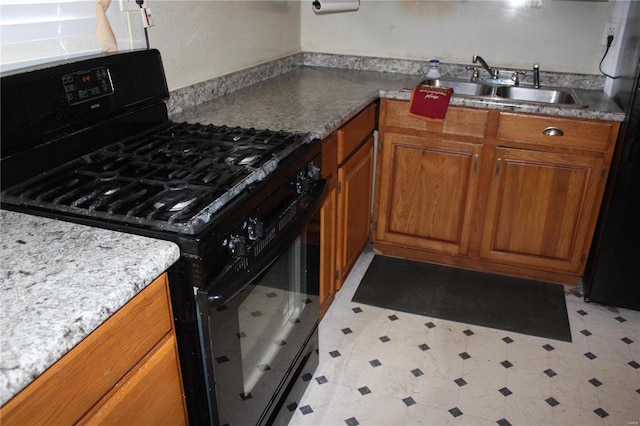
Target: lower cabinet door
427, 193
540, 209
151, 394
328, 219
354, 207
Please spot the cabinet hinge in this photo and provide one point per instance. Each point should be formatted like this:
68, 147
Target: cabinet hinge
583, 258
339, 187
604, 173
336, 275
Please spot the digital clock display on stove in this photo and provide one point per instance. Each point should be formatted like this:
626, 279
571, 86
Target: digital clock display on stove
84, 86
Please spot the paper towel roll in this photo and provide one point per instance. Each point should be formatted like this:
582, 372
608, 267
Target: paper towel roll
332, 6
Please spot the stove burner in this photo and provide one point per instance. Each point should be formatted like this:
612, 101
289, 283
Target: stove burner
107, 176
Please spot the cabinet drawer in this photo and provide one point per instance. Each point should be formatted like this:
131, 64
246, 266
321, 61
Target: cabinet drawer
459, 121
150, 394
354, 132
71, 386
569, 133
330, 155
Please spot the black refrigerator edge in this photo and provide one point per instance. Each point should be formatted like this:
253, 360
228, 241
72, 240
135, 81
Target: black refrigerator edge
613, 272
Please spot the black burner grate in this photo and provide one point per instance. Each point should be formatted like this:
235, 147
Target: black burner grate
165, 180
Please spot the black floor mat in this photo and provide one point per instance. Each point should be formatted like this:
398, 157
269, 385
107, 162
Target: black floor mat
471, 297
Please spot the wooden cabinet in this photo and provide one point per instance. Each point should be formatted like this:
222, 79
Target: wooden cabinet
328, 258
126, 371
354, 207
427, 197
502, 192
347, 164
539, 209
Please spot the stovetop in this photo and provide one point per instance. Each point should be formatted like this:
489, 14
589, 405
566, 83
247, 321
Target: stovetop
173, 179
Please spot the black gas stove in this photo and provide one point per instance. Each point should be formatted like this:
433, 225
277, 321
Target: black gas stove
90, 141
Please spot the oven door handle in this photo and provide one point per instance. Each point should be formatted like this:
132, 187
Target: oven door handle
234, 278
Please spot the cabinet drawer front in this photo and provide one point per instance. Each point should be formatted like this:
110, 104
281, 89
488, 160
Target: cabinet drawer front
459, 121
150, 394
330, 155
564, 132
71, 386
354, 132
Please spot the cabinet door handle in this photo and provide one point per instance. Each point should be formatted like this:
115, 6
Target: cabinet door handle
553, 131
475, 165
499, 163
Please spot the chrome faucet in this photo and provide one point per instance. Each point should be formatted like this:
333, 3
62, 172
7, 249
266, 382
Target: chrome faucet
536, 75
494, 73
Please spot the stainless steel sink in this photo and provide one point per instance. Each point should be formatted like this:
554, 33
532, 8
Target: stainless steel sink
526, 94
460, 87
498, 92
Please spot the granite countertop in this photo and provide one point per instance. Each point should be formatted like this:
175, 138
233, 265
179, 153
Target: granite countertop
59, 282
320, 99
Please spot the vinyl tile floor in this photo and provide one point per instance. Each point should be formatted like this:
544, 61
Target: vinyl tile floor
383, 367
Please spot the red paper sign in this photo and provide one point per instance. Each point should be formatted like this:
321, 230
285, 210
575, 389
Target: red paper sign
430, 102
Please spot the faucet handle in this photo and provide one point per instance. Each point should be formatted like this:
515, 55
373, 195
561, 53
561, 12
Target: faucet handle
515, 77
475, 74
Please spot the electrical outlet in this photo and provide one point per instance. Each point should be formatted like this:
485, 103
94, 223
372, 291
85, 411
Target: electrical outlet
610, 29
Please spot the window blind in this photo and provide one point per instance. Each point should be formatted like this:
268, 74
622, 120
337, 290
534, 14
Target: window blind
37, 31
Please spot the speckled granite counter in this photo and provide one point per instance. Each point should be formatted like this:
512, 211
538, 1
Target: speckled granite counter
59, 282
320, 99
306, 99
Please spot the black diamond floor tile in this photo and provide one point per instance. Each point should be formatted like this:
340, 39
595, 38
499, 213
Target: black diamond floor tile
552, 401
455, 412
364, 390
505, 391
600, 412
409, 401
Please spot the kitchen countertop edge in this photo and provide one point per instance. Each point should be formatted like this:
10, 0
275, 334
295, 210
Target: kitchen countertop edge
59, 282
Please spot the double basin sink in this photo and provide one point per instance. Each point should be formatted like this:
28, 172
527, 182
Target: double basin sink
498, 92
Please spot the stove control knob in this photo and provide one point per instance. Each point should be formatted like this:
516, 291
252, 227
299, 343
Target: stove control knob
302, 183
255, 228
236, 245
313, 172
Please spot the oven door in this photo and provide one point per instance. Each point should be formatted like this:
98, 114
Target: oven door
258, 320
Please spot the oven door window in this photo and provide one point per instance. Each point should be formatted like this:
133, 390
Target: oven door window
257, 335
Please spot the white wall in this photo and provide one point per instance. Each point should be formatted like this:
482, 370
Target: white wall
199, 40
562, 36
